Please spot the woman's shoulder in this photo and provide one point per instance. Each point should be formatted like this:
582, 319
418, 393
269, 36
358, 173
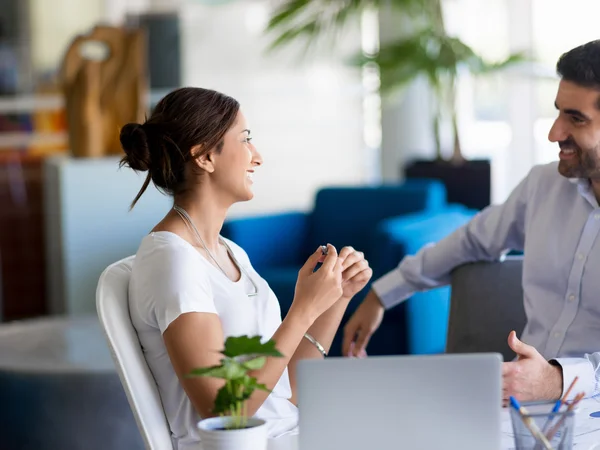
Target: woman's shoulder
163, 253
164, 243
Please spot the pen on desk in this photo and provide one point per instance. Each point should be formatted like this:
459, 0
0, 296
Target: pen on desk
558, 405
530, 424
571, 406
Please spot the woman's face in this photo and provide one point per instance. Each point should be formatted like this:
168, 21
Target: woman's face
234, 165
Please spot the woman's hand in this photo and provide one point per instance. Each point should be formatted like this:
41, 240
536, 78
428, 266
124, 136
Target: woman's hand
356, 272
317, 291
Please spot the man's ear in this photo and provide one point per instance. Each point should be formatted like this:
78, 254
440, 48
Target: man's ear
204, 161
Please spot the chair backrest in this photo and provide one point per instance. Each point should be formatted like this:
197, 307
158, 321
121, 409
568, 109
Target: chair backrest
486, 304
137, 380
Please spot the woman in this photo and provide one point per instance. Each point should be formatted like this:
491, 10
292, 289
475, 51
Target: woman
190, 288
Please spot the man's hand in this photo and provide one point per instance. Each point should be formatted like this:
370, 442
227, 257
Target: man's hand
531, 377
363, 323
356, 272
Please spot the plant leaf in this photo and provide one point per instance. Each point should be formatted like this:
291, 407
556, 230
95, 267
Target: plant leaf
318, 19
233, 369
237, 392
214, 371
230, 369
427, 51
255, 363
262, 387
249, 346
224, 402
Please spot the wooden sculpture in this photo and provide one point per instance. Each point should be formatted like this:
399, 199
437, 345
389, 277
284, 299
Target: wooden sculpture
102, 93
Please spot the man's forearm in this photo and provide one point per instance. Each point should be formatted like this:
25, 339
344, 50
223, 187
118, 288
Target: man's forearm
484, 238
323, 330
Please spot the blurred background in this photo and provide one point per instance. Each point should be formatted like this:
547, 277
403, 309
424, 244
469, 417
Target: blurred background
383, 124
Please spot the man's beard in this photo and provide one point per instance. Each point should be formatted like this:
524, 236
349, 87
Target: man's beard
584, 164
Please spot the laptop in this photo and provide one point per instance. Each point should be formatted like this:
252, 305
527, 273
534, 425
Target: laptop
401, 402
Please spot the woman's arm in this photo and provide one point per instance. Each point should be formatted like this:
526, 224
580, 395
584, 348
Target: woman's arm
356, 275
323, 330
195, 339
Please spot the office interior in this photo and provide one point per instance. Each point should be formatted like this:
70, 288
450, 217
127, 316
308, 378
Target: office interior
347, 161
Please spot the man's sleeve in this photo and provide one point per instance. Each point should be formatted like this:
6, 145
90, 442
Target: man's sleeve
587, 369
485, 238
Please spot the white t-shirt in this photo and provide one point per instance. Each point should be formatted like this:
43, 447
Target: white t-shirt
169, 278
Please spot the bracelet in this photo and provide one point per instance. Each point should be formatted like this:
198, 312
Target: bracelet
315, 343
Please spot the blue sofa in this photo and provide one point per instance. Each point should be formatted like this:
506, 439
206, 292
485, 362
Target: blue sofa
363, 217
425, 313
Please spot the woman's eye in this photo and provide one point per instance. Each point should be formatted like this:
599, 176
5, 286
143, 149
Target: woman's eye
247, 140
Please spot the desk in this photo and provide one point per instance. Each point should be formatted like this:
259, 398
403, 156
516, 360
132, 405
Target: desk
587, 431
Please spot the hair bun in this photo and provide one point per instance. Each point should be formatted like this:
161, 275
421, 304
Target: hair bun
135, 145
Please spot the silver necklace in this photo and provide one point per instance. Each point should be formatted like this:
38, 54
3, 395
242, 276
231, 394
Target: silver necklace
190, 224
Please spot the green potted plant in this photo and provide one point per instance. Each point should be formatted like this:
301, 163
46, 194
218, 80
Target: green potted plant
426, 50
233, 429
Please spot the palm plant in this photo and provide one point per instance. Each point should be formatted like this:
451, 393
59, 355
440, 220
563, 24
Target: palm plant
426, 51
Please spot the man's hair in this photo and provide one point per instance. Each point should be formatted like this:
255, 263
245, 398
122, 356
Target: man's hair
581, 65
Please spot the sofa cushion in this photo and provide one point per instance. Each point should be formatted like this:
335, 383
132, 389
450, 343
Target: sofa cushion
348, 215
275, 240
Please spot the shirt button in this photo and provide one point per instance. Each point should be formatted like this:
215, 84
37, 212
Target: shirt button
579, 256
597, 216
557, 334
571, 297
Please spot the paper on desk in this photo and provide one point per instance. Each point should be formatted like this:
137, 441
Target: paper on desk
587, 427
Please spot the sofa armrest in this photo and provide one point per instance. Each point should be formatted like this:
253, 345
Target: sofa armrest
396, 237
270, 240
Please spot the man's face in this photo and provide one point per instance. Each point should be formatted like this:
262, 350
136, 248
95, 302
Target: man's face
577, 131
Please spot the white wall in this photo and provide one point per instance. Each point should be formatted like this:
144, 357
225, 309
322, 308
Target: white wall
54, 24
306, 117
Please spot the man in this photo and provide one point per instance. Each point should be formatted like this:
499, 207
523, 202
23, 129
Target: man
553, 215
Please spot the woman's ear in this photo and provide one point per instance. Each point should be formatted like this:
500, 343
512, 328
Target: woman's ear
204, 161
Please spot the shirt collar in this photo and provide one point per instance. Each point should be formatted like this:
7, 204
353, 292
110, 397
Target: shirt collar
584, 189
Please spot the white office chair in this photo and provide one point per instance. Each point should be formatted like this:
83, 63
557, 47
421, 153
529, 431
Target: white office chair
136, 378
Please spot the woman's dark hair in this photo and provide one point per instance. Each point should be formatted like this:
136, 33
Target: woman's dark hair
581, 65
185, 118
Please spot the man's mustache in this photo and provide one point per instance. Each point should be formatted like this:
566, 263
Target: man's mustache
569, 144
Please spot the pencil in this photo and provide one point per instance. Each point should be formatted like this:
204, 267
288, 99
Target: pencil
559, 404
571, 406
563, 400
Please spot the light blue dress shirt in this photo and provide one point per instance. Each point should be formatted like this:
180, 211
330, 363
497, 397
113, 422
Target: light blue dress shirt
556, 222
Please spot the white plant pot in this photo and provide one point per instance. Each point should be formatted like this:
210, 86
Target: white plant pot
214, 436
